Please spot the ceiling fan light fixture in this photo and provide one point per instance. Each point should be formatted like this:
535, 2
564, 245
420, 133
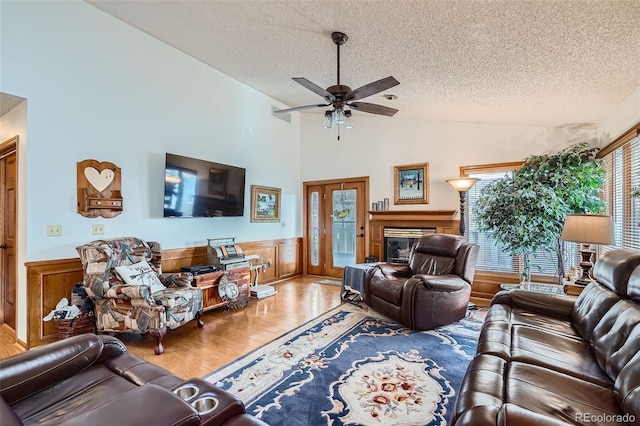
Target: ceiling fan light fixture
348, 119
328, 119
340, 95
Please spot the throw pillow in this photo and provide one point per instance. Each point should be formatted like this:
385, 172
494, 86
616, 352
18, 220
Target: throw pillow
140, 274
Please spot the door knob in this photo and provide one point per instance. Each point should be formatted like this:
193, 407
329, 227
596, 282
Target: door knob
3, 246
360, 235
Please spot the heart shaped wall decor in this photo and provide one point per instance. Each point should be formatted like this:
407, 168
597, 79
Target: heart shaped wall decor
99, 180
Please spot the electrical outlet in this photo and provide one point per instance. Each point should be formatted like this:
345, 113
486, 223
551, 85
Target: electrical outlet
54, 230
97, 229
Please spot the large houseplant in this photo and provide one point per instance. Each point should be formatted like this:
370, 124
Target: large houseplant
526, 212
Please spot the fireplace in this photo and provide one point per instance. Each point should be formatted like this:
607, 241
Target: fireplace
442, 221
398, 242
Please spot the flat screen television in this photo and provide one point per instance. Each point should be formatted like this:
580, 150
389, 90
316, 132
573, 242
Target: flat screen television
200, 188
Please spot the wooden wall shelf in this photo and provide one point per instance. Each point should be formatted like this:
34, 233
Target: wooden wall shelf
99, 189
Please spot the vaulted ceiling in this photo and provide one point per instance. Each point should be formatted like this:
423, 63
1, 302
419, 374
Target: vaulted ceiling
560, 63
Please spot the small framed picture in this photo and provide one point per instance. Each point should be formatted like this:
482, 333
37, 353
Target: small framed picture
265, 204
411, 184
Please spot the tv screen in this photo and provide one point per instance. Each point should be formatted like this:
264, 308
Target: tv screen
199, 188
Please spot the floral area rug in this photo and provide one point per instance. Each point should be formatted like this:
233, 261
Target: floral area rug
352, 366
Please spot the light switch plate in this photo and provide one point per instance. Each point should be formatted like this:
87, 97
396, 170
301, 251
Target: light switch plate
54, 230
97, 229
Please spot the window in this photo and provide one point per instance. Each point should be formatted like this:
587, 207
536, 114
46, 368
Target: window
622, 165
492, 256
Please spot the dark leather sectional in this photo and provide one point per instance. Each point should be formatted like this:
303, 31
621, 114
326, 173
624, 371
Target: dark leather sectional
92, 380
549, 360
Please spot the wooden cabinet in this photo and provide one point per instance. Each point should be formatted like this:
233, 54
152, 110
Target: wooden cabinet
209, 284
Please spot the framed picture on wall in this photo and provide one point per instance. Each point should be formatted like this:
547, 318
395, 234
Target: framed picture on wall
265, 204
411, 184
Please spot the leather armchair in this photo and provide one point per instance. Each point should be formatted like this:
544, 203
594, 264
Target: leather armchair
432, 290
126, 308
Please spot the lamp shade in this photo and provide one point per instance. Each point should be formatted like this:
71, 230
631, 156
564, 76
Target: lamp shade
588, 229
462, 184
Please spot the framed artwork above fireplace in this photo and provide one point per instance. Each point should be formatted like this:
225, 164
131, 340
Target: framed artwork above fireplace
411, 184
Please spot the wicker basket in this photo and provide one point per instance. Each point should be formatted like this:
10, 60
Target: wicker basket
82, 324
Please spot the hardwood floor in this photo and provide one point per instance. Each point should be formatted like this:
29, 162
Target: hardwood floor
8, 347
192, 352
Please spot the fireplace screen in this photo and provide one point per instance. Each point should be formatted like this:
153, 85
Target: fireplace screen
398, 242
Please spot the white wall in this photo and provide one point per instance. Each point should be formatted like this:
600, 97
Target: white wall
376, 144
99, 89
620, 120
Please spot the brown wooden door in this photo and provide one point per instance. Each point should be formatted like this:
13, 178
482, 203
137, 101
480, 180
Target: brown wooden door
8, 223
335, 225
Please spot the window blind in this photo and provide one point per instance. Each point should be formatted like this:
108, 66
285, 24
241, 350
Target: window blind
492, 255
622, 167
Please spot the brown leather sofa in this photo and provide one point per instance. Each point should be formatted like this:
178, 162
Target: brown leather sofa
92, 380
432, 290
544, 359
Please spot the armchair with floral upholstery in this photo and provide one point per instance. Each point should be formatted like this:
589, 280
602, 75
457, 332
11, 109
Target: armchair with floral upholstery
149, 301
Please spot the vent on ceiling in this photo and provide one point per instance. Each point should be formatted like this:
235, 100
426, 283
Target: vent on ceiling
284, 116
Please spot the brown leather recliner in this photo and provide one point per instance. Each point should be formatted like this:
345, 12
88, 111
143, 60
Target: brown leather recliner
432, 290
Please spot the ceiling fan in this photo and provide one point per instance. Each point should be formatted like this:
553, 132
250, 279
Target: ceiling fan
341, 96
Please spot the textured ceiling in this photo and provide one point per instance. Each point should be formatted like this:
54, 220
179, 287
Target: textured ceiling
8, 102
562, 63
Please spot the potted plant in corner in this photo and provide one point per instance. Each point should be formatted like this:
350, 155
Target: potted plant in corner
526, 212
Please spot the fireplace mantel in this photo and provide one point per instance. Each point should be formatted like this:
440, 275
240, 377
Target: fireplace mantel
412, 215
441, 220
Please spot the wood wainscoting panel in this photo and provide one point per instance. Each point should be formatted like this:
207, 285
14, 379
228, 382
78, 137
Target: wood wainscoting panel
290, 259
47, 283
269, 251
174, 259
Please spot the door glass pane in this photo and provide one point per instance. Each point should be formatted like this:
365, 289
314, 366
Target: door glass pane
315, 234
344, 227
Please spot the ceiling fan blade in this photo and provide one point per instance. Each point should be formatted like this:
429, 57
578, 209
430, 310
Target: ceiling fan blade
301, 107
315, 88
372, 88
373, 108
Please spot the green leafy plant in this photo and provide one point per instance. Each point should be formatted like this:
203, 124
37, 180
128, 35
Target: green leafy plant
526, 212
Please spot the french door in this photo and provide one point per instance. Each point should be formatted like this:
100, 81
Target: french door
335, 225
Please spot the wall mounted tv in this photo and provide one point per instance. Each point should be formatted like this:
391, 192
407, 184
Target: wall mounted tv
199, 188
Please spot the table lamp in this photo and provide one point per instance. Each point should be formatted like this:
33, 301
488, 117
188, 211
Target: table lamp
462, 185
587, 229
